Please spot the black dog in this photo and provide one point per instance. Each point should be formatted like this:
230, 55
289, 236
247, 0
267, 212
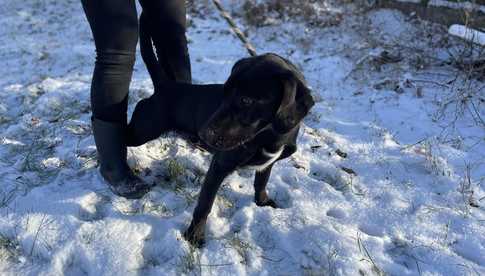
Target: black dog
251, 121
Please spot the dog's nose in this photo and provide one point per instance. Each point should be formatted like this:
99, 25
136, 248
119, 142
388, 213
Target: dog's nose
212, 136
219, 141
211, 132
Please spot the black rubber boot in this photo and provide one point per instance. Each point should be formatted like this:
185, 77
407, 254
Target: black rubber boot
111, 145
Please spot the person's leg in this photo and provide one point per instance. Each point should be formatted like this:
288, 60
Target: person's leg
167, 21
114, 24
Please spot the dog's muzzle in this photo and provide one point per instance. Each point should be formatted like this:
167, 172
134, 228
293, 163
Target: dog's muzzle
218, 141
212, 138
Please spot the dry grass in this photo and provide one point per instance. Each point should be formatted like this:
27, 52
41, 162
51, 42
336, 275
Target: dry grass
467, 192
9, 248
313, 12
367, 257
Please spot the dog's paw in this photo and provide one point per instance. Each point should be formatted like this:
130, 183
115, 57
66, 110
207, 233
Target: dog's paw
267, 202
195, 236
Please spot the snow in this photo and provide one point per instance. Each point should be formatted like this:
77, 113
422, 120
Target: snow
467, 5
412, 202
467, 34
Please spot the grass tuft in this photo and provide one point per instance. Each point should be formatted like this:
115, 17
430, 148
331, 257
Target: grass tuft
174, 169
9, 248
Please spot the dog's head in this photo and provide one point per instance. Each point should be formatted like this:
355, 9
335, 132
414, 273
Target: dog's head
263, 91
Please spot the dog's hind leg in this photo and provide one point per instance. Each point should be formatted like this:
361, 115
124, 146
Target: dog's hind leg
260, 194
147, 122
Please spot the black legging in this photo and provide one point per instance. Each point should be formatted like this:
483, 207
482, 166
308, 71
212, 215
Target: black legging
114, 24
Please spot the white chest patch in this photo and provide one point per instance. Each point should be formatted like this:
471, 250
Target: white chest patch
272, 156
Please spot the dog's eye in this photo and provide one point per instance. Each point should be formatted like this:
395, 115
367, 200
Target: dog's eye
246, 101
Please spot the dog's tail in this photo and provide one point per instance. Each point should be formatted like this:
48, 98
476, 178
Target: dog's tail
153, 65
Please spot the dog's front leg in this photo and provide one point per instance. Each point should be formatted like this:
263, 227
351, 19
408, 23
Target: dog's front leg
213, 180
260, 194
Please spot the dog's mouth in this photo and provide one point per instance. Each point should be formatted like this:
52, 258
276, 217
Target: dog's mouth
221, 142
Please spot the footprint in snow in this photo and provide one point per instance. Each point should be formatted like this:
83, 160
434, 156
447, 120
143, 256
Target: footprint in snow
91, 207
404, 254
337, 213
331, 178
372, 230
470, 250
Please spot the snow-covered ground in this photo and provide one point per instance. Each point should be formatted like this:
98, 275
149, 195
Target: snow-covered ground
388, 177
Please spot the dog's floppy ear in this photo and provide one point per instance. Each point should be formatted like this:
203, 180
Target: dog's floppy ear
295, 104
